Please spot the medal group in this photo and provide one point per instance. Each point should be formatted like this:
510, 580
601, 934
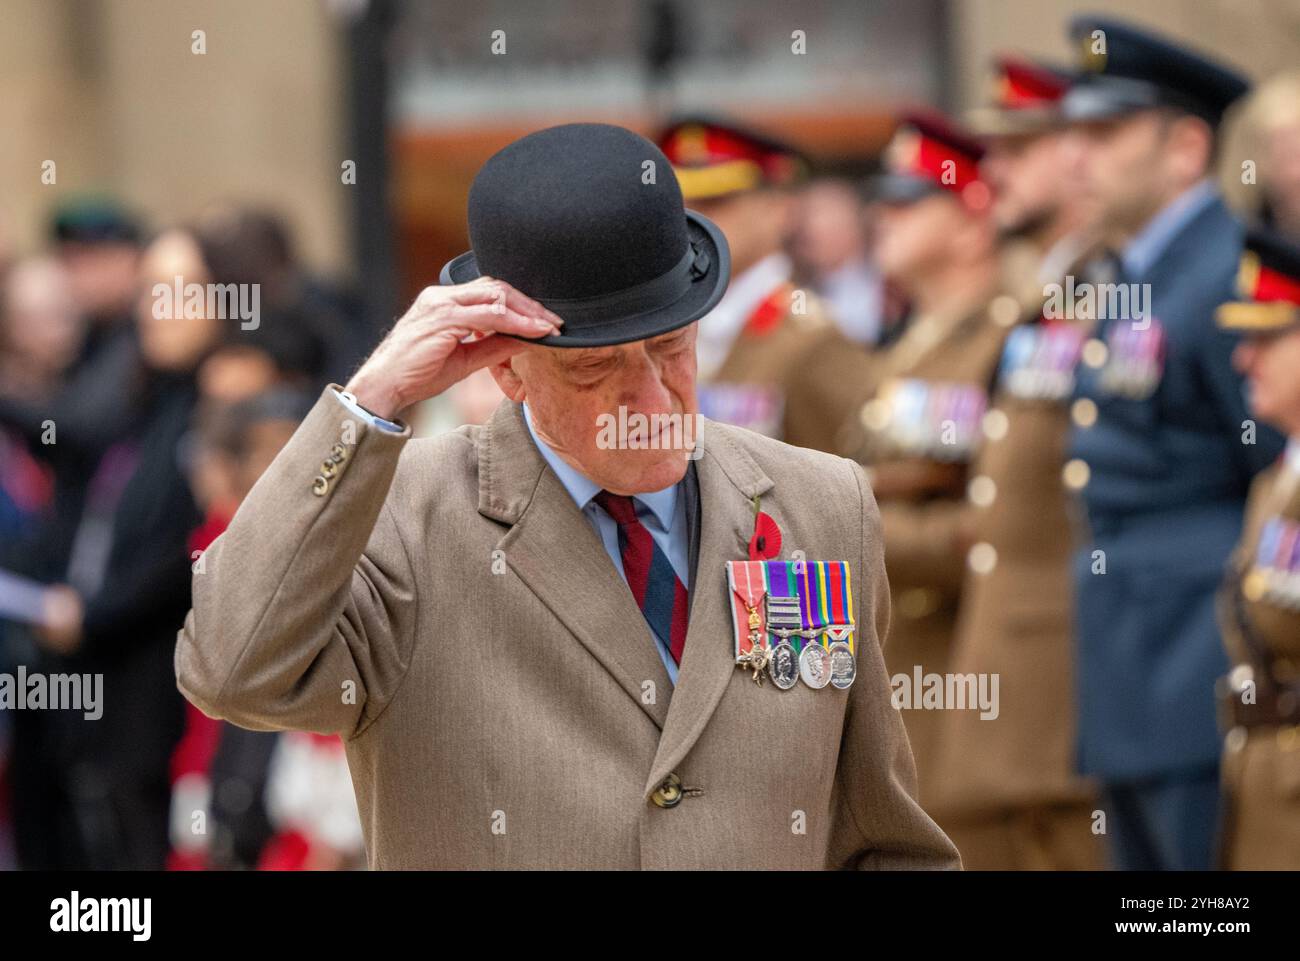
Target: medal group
793, 621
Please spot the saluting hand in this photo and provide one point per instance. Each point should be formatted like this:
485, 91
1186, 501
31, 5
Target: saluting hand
448, 333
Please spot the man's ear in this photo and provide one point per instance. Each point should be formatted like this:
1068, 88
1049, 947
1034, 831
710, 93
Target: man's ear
508, 379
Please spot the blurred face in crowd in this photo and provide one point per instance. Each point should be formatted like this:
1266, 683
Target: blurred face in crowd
1270, 363
755, 223
1031, 176
1133, 166
915, 241
41, 325
237, 372
262, 442
829, 231
169, 339
475, 397
103, 276
572, 391
1281, 175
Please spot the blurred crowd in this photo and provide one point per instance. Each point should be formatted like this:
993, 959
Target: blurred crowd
132, 425
897, 319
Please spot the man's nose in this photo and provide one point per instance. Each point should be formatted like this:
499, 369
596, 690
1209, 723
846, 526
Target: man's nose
643, 386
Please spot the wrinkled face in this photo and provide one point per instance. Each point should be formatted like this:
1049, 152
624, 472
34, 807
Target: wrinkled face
913, 240
575, 396
171, 337
1124, 169
1030, 175
1270, 364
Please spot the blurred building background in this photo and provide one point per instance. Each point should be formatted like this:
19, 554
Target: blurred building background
412, 91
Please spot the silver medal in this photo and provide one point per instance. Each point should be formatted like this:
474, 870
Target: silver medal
844, 666
815, 665
783, 666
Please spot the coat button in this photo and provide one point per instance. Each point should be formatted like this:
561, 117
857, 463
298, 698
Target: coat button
338, 453
327, 468
319, 486
669, 793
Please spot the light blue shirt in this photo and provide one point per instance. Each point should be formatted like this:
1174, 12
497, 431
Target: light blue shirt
1145, 248
661, 512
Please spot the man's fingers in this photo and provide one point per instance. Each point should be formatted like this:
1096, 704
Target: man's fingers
487, 318
488, 351
503, 296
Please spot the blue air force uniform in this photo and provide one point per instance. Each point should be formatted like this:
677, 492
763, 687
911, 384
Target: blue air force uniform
1162, 458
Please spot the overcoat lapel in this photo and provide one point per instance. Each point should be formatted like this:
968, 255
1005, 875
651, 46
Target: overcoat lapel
728, 481
555, 552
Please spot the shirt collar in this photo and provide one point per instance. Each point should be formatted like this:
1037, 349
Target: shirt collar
1150, 242
1293, 454
661, 503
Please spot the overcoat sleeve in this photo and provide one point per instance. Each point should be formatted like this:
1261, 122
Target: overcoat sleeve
303, 613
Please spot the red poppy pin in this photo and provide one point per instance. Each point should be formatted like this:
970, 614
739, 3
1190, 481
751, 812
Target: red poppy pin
766, 542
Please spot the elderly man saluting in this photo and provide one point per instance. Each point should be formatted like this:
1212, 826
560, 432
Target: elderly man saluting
540, 648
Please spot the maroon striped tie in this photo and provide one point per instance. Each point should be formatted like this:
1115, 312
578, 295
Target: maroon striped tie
658, 591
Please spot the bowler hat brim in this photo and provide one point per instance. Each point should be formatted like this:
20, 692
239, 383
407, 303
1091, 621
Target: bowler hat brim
588, 328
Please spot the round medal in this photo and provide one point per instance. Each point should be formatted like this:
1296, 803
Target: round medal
783, 666
815, 665
844, 667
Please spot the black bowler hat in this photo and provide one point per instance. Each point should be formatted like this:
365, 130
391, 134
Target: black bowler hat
588, 219
1127, 69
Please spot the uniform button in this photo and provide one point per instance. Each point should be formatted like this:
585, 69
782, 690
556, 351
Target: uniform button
669, 793
319, 486
1288, 738
1095, 353
982, 558
982, 490
1005, 310
1084, 412
327, 468
1235, 740
875, 415
1076, 474
917, 602
995, 424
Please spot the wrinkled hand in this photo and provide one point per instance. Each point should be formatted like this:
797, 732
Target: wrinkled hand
448, 333
60, 628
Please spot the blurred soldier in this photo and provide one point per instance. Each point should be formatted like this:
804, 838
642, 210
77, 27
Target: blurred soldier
920, 428
1012, 797
1271, 124
1259, 606
829, 247
1163, 451
769, 357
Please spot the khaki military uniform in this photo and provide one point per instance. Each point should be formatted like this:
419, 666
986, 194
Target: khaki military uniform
1259, 609
791, 350
921, 489
1011, 797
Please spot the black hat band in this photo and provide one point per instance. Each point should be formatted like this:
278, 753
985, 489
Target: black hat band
658, 292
